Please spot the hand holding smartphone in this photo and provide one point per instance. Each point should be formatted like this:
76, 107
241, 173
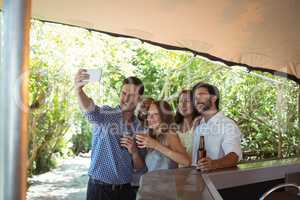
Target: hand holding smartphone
94, 75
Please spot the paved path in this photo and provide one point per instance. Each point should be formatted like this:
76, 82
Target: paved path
68, 181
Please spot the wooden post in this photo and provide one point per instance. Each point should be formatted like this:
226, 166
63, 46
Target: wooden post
14, 99
298, 153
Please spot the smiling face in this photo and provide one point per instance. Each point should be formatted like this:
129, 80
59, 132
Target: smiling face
129, 97
203, 100
153, 117
185, 106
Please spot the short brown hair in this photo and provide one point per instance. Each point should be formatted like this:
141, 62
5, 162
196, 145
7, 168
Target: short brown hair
135, 81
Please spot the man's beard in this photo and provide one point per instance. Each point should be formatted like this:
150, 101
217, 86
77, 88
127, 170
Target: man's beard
206, 107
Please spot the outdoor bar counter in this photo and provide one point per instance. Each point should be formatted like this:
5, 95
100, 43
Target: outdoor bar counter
246, 181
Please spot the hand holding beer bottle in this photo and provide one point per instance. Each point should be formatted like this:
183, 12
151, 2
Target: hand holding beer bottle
204, 163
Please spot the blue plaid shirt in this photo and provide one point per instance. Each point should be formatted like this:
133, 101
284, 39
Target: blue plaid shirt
110, 162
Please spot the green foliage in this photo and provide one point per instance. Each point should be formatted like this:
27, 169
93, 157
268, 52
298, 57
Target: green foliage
81, 140
264, 106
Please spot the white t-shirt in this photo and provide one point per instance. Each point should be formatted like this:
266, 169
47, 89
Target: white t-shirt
221, 136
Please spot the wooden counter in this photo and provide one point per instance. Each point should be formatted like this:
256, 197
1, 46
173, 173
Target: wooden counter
190, 184
183, 183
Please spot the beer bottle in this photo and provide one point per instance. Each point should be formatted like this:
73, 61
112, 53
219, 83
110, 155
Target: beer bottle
201, 150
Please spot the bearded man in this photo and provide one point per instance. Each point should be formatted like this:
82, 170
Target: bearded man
222, 136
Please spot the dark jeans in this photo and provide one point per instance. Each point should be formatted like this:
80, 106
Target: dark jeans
98, 190
135, 190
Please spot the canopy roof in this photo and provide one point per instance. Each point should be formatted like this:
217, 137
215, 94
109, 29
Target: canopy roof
260, 34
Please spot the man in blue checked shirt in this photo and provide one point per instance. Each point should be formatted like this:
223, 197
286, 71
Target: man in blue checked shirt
114, 153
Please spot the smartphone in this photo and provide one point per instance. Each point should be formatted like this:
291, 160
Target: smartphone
94, 74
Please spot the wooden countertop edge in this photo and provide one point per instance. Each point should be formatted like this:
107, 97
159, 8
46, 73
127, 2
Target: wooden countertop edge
251, 175
211, 188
